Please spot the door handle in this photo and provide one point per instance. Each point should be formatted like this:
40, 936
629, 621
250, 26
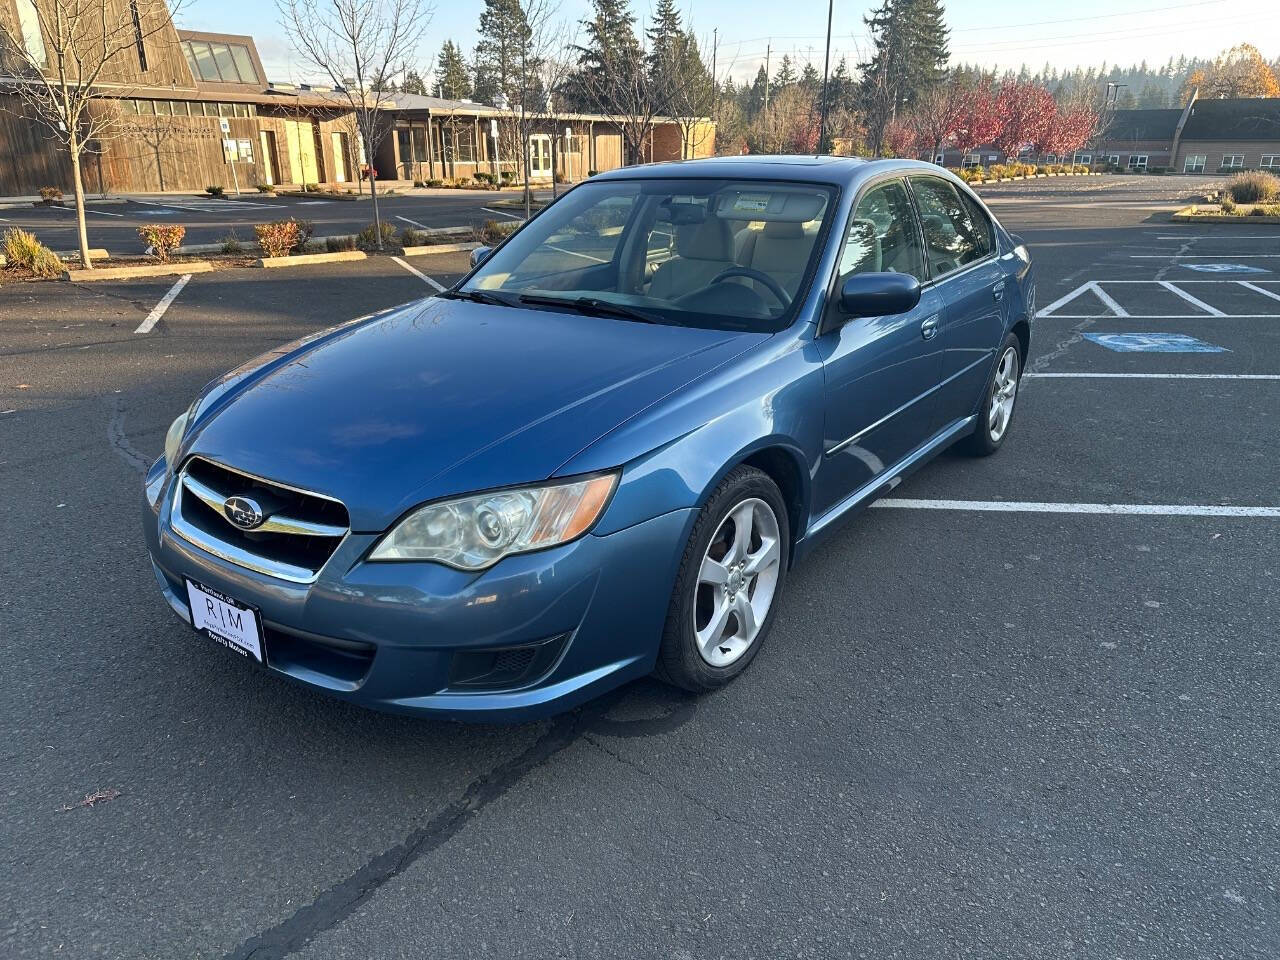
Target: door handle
929, 329
998, 290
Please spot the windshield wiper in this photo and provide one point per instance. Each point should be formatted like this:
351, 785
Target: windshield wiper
477, 296
589, 305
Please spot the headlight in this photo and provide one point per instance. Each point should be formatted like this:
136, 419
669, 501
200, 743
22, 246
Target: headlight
472, 533
173, 439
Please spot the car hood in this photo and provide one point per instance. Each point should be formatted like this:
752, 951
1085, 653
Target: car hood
444, 397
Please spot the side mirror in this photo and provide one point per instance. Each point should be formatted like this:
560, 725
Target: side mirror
879, 294
479, 255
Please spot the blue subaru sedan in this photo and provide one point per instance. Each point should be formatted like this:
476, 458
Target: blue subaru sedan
599, 455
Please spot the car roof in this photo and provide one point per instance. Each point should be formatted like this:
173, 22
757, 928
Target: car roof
841, 171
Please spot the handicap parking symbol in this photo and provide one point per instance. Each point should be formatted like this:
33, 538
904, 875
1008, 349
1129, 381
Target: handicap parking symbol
1153, 343
1223, 268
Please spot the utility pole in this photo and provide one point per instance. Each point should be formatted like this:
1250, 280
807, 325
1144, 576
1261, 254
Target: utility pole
715, 82
826, 67
767, 50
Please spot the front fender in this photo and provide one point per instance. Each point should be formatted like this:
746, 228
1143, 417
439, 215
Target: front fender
773, 401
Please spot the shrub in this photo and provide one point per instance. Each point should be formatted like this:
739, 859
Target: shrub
366, 239
1228, 205
162, 238
277, 238
507, 176
231, 243
485, 177
50, 194
410, 237
998, 171
493, 232
305, 229
214, 191
435, 182
419, 183
339, 244
266, 188
559, 178
1266, 210
592, 173
23, 250
1254, 187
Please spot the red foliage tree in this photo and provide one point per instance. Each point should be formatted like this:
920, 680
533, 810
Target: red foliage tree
939, 117
983, 121
1027, 111
901, 138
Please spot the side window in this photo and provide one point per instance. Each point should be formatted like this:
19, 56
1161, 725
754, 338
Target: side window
956, 232
882, 234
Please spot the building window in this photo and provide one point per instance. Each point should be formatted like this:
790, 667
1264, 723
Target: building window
32, 38
220, 62
1082, 157
1232, 161
1050, 158
971, 160
1113, 159
1137, 161
137, 35
1270, 161
161, 107
242, 110
466, 152
180, 108
226, 110
992, 157
1194, 163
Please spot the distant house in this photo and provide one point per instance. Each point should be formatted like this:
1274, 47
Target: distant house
196, 109
1205, 136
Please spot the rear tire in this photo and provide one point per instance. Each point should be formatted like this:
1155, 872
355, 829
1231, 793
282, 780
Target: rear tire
730, 580
999, 398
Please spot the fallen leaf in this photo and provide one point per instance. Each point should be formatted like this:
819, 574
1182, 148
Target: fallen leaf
90, 799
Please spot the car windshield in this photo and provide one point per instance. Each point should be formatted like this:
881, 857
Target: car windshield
724, 254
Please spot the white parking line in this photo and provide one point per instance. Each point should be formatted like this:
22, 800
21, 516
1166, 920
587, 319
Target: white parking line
501, 213
422, 226
1106, 298
575, 253
158, 311
1200, 256
1133, 509
1257, 289
1172, 288
1222, 236
420, 275
1151, 376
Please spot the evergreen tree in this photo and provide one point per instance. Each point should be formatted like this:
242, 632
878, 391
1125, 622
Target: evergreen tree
453, 80
665, 40
810, 79
413, 83
786, 74
611, 47
501, 66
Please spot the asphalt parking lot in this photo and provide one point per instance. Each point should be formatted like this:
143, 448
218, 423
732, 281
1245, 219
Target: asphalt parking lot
207, 220
1026, 707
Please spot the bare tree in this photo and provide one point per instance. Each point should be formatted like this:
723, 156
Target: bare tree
358, 45
58, 61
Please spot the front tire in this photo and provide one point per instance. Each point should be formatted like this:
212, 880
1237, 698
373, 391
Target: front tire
730, 580
996, 415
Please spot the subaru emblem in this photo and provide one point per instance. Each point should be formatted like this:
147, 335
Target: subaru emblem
243, 512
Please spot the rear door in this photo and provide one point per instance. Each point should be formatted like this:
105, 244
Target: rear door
967, 276
880, 371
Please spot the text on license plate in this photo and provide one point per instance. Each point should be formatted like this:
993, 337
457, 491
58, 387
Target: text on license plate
230, 623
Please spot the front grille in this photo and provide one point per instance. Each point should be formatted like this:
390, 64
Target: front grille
300, 531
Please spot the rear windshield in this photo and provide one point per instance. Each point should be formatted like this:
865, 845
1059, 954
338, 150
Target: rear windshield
710, 253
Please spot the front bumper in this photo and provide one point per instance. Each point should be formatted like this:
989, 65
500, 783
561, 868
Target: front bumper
390, 635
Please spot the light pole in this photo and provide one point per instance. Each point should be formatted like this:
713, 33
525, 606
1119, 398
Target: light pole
826, 68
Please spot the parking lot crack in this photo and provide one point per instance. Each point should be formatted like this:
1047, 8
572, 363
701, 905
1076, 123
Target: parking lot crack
120, 441
342, 899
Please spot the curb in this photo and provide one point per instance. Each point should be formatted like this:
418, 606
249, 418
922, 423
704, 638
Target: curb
303, 259
437, 248
1186, 216
145, 270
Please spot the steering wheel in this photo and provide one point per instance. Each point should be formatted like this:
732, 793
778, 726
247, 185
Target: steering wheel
770, 284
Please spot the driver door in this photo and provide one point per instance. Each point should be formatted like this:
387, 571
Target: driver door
881, 372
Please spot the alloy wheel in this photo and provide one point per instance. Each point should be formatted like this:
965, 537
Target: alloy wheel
736, 582
1004, 391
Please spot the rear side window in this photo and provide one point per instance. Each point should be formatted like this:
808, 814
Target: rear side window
956, 231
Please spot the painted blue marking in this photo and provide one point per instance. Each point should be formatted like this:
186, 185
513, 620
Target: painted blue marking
1153, 343
1223, 268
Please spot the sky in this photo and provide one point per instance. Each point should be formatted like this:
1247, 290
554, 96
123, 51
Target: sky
993, 33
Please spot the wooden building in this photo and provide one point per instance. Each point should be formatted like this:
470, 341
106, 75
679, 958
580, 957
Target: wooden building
194, 109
